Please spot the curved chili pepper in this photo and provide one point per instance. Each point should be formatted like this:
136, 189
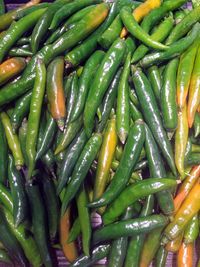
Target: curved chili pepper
151, 114
129, 159
161, 257
10, 68
194, 90
132, 193
55, 91
154, 77
34, 115
135, 30
69, 250
3, 155
181, 138
192, 230
26, 11
13, 141
72, 97
185, 68
141, 11
185, 255
22, 140
20, 52
122, 112
48, 162
197, 124
75, 231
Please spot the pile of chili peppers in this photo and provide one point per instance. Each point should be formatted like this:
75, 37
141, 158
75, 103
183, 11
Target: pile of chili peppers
100, 113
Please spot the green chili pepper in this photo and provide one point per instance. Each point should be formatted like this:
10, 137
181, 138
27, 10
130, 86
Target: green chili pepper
38, 222
160, 33
134, 192
135, 30
118, 248
2, 7
4, 257
168, 96
155, 80
135, 113
97, 254
174, 50
67, 84
161, 257
16, 182
26, 11
197, 124
70, 158
3, 155
108, 101
10, 242
5, 198
122, 112
151, 114
129, 228
51, 204
20, 52
13, 141
34, 115
101, 82
157, 170
129, 159
74, 231
23, 41
17, 30
192, 159
22, 140
20, 111
184, 26
25, 239
81, 168
111, 34
48, 161
84, 219
192, 230
195, 3
86, 77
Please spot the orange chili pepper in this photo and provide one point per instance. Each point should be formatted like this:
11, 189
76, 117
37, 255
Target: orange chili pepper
185, 255
194, 90
174, 245
69, 249
10, 68
55, 91
141, 11
186, 186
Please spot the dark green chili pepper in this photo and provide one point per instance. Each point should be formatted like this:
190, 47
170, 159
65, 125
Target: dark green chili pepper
4, 257
22, 140
135, 113
74, 231
38, 222
141, 165
84, 219
184, 26
197, 125
51, 204
133, 27
81, 168
23, 41
111, 34
128, 161
70, 158
108, 101
17, 30
192, 230
3, 155
13, 141
157, 170
155, 80
168, 96
151, 114
67, 84
132, 193
34, 115
20, 111
97, 254
174, 50
84, 50
85, 80
26, 11
122, 113
20, 52
160, 33
129, 228
2, 7
16, 182
101, 82
48, 161
10, 242
192, 159
161, 257
118, 248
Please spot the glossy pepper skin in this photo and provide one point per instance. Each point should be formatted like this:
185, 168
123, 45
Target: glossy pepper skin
13, 141
185, 255
81, 168
175, 244
16, 181
151, 114
161, 257
75, 231
34, 115
154, 77
194, 90
192, 230
101, 82
132, 193
4, 257
168, 96
11, 68
55, 91
129, 159
3, 154
197, 124
105, 158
